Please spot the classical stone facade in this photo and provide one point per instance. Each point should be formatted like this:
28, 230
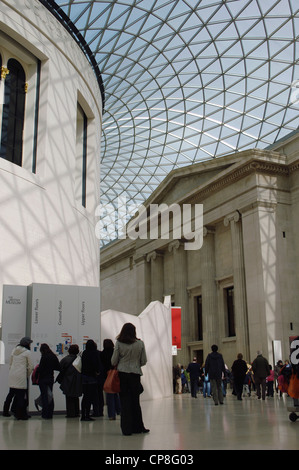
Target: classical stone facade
239, 290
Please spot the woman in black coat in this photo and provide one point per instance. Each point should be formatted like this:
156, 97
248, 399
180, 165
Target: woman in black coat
71, 382
48, 363
239, 370
91, 368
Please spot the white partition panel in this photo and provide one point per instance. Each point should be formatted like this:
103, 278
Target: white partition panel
61, 315
153, 326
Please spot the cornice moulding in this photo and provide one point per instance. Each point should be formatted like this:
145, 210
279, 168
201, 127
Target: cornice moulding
236, 173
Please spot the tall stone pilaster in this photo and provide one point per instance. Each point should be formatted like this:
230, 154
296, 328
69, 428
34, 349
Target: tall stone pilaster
209, 290
143, 282
241, 319
263, 265
157, 275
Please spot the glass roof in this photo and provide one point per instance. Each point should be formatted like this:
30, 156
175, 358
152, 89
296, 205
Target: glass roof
187, 81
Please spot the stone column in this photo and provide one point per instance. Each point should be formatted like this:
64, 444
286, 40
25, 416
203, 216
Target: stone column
157, 275
143, 282
181, 296
267, 317
241, 319
209, 290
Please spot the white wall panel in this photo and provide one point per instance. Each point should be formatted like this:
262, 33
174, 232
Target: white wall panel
153, 326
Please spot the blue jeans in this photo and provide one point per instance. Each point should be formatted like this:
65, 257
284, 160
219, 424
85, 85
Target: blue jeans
206, 389
113, 404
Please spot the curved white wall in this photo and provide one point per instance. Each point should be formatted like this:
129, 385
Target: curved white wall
153, 326
46, 235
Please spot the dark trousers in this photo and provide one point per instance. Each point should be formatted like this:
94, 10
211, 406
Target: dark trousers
72, 407
46, 391
270, 389
8, 400
260, 383
238, 382
90, 397
194, 386
98, 404
131, 415
19, 396
216, 386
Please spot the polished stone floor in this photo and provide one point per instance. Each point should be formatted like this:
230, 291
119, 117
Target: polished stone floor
176, 423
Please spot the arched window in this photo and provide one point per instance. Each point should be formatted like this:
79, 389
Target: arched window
13, 113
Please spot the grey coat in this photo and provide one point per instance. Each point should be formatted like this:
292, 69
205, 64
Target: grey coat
129, 358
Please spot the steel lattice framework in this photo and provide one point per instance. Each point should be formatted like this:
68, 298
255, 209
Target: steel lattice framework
186, 81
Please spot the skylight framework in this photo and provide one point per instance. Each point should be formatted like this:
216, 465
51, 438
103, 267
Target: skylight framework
187, 81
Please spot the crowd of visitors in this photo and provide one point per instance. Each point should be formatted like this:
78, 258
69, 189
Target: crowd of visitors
213, 377
81, 375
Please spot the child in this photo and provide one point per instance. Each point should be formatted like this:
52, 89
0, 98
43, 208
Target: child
270, 383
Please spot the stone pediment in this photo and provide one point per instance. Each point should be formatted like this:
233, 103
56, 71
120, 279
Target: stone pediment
186, 181
183, 184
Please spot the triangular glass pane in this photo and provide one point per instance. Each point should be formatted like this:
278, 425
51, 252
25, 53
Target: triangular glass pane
172, 69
